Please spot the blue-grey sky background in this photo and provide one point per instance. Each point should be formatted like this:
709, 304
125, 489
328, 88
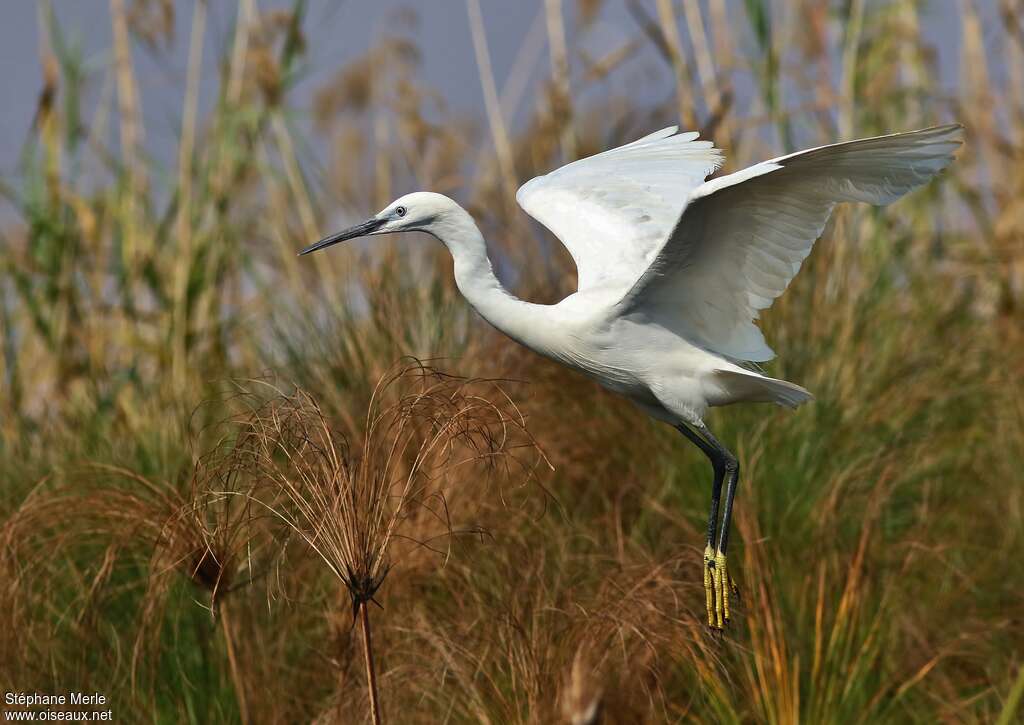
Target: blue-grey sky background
339, 31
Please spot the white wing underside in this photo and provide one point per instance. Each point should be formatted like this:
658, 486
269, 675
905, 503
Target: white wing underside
742, 237
613, 211
704, 258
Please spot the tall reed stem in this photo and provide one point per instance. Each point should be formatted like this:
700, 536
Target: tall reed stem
499, 133
236, 677
371, 675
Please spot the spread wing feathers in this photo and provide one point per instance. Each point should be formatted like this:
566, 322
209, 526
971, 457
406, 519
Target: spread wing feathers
612, 211
742, 237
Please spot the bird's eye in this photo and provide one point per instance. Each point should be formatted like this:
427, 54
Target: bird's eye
400, 211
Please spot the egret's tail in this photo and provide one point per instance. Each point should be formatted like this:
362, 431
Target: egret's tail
754, 388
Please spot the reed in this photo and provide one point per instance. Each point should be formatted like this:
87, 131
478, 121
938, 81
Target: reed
356, 510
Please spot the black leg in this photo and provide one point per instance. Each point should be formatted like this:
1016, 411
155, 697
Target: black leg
717, 582
718, 464
732, 474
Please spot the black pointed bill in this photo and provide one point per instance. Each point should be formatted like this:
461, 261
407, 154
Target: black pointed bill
359, 230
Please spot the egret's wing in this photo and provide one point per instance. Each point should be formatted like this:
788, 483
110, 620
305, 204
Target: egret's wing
742, 237
612, 211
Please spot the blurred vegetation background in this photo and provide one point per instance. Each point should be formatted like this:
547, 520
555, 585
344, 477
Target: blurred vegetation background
880, 528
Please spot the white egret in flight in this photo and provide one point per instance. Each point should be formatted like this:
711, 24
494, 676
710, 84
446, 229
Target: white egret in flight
673, 270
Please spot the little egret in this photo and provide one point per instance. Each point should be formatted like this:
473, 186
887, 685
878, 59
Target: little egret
673, 271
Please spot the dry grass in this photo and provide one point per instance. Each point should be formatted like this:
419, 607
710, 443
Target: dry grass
200, 563
426, 433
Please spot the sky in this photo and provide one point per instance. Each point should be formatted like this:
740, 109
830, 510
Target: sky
338, 31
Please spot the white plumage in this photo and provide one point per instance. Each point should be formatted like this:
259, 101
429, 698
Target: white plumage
674, 270
613, 211
744, 236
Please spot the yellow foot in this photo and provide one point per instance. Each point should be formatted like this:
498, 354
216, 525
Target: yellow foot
709, 592
718, 585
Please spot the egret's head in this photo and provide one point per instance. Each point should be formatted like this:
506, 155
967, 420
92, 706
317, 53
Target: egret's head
422, 211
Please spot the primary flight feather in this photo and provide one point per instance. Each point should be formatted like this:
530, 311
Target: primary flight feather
673, 271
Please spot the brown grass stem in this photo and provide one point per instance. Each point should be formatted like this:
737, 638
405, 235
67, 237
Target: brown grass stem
674, 47
183, 224
371, 673
236, 676
130, 122
851, 47
706, 74
492, 105
560, 76
1013, 700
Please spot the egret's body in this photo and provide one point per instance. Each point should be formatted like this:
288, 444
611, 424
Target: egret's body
673, 271
661, 371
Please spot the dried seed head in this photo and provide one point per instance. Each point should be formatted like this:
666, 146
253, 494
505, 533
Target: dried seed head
352, 509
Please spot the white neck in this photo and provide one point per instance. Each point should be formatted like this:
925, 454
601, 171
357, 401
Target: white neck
523, 321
